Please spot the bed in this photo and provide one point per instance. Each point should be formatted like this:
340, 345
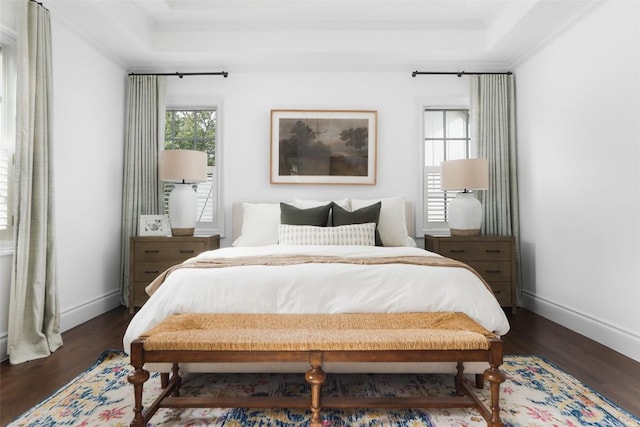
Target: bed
317, 260
323, 287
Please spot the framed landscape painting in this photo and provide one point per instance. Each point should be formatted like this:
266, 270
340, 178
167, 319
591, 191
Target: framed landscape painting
323, 147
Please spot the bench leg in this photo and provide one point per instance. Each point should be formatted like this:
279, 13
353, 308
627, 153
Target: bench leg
315, 377
137, 378
459, 378
495, 377
175, 374
164, 379
479, 381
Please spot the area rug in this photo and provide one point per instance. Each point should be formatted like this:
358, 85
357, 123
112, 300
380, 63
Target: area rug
536, 393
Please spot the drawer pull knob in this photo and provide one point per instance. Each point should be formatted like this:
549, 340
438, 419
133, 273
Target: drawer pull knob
492, 271
497, 292
151, 272
186, 251
456, 251
493, 251
151, 251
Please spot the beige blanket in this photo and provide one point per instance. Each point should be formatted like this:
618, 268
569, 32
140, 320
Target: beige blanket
283, 260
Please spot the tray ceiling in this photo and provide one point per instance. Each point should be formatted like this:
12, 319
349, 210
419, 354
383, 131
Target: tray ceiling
317, 34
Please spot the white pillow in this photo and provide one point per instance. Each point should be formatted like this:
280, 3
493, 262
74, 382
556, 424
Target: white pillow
352, 234
306, 204
392, 225
259, 224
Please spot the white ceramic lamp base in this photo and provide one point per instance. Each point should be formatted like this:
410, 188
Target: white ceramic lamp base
465, 215
183, 208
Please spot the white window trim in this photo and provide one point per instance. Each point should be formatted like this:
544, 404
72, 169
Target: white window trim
8, 41
423, 104
174, 103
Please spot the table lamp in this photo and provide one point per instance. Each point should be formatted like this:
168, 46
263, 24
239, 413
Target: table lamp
465, 210
184, 168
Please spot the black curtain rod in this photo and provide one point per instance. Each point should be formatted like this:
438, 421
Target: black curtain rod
181, 75
459, 74
39, 4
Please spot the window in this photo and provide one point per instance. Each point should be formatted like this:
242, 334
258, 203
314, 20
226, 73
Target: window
446, 137
7, 138
196, 130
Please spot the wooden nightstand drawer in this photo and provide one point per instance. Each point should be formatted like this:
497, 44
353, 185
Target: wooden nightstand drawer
492, 271
502, 291
147, 271
149, 256
139, 295
167, 250
493, 258
476, 251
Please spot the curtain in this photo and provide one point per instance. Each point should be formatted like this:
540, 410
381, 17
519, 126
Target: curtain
142, 192
493, 129
34, 313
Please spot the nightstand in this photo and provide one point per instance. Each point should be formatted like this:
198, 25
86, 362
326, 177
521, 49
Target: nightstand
493, 257
151, 255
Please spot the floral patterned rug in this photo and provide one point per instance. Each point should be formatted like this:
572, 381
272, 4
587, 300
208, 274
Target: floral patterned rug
536, 393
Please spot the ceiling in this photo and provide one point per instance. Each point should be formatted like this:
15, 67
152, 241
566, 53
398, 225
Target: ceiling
236, 35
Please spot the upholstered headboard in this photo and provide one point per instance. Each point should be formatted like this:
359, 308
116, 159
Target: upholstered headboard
236, 218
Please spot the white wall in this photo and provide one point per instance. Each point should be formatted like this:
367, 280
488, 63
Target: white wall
89, 114
579, 168
88, 139
246, 99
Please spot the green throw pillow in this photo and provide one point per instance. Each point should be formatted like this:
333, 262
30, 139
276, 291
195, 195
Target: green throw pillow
291, 215
364, 215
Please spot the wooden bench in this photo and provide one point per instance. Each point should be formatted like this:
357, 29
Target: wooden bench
316, 339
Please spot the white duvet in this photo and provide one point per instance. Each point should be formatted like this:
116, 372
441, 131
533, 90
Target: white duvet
320, 288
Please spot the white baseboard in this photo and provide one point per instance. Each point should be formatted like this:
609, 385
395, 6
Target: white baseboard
75, 316
615, 337
72, 317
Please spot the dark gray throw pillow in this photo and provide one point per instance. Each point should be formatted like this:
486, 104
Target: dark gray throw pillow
371, 213
291, 215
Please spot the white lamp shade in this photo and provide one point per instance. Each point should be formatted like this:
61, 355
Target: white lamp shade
183, 166
464, 174
464, 213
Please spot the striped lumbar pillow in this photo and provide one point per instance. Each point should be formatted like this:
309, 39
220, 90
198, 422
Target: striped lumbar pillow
352, 234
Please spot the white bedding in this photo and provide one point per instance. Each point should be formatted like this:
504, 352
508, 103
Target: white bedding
320, 288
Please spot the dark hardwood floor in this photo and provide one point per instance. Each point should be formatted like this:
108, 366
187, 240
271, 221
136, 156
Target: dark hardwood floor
604, 370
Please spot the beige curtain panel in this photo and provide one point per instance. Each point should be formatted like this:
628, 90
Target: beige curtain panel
494, 130
34, 314
141, 192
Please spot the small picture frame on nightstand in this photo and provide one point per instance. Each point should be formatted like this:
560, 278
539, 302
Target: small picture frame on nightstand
154, 225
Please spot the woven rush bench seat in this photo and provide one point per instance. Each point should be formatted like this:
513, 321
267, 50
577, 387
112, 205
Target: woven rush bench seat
315, 339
